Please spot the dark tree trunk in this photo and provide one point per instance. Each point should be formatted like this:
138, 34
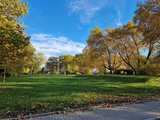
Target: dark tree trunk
149, 53
4, 75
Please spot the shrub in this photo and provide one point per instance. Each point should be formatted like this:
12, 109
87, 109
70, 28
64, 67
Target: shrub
150, 69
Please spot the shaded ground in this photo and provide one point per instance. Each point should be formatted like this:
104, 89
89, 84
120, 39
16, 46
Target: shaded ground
39, 94
145, 111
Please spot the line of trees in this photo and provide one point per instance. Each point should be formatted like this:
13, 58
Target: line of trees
134, 46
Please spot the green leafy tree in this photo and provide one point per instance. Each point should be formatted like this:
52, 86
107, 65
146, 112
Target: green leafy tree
12, 37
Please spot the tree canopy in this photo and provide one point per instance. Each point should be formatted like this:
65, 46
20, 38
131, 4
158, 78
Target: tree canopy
15, 46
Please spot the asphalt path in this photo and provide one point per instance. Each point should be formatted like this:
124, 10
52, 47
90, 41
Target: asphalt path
141, 111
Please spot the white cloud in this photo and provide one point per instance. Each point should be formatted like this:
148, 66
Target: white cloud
119, 20
86, 9
55, 46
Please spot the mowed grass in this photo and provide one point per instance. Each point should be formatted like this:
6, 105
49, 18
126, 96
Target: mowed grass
45, 93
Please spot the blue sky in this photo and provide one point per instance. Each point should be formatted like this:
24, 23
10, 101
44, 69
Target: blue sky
60, 27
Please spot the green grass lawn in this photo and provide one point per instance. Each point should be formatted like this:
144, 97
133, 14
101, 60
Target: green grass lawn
55, 93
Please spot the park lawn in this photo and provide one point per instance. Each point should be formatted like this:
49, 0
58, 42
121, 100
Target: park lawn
45, 93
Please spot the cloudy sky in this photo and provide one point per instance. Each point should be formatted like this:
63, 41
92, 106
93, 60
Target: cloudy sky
60, 27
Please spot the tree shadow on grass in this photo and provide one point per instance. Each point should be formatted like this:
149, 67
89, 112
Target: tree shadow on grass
116, 78
65, 90
78, 84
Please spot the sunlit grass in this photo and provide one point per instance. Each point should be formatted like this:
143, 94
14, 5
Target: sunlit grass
53, 92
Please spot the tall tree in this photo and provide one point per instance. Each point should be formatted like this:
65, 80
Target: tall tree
128, 42
101, 44
147, 20
12, 37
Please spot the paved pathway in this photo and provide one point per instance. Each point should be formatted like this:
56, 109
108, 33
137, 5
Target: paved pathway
145, 111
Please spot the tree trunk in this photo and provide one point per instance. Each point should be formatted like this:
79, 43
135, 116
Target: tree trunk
65, 69
128, 63
109, 60
134, 72
4, 75
58, 67
149, 54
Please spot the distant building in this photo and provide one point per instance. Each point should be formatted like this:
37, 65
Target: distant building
55, 65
